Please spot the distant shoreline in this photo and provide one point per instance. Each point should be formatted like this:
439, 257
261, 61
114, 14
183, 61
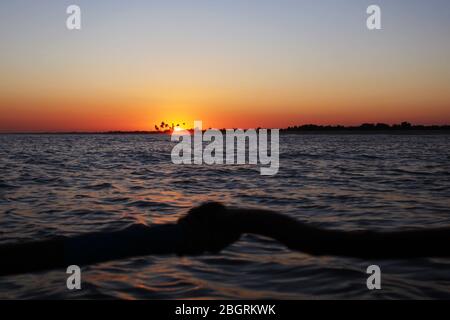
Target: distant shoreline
282, 131
404, 128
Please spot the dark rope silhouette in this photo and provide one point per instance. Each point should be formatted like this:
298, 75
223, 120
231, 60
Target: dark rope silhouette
212, 227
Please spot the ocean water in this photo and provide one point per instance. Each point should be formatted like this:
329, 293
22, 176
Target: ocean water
71, 184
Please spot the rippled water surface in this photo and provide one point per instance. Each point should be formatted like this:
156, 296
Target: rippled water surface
70, 184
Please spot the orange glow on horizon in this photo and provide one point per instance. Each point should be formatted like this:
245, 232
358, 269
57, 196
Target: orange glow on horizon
134, 113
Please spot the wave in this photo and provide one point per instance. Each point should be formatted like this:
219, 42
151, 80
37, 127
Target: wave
100, 186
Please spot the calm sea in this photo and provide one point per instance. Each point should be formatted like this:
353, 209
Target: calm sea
71, 184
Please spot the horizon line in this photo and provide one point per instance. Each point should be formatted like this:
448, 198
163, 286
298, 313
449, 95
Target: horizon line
303, 127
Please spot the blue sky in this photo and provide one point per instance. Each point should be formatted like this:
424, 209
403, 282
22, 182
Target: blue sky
315, 60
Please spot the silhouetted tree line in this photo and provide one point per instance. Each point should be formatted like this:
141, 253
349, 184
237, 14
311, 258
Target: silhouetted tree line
165, 127
366, 127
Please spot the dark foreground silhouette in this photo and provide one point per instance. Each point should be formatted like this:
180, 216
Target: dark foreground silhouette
212, 227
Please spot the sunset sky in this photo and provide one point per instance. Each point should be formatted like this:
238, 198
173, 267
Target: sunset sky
229, 63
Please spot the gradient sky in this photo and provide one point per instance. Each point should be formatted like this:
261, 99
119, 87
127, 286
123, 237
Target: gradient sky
230, 63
